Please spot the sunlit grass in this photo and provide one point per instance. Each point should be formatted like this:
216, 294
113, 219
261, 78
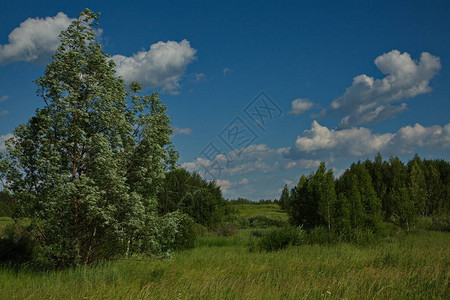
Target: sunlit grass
269, 210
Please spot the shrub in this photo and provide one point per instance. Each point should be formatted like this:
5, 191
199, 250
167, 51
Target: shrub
17, 246
226, 229
186, 234
280, 238
256, 233
319, 235
239, 221
363, 236
440, 223
388, 229
200, 230
264, 222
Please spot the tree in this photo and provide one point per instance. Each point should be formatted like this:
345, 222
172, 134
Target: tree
312, 200
87, 167
284, 198
418, 188
191, 194
377, 172
302, 209
342, 214
323, 186
356, 184
404, 211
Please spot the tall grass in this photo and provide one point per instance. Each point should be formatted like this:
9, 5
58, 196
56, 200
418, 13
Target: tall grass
412, 266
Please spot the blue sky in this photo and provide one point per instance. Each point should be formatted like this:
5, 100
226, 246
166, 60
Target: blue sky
339, 81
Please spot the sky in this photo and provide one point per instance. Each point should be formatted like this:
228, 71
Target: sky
260, 92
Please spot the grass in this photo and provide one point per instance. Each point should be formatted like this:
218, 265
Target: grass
406, 267
269, 210
413, 266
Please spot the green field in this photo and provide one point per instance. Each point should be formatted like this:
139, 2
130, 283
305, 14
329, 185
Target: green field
269, 210
403, 267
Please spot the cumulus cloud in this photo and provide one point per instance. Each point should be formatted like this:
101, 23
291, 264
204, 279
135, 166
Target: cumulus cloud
182, 131
321, 142
369, 100
162, 65
4, 98
226, 186
300, 106
3, 139
254, 158
35, 40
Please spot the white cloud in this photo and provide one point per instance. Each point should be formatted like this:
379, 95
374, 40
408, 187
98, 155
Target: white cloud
4, 112
162, 65
199, 77
288, 182
226, 71
254, 158
4, 98
226, 186
369, 100
302, 164
182, 131
3, 139
300, 106
321, 142
35, 40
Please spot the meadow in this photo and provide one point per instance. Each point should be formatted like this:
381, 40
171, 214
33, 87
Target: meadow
403, 267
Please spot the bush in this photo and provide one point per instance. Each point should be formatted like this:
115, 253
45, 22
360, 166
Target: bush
264, 222
280, 238
256, 233
363, 236
440, 223
388, 229
239, 221
226, 229
319, 235
200, 230
186, 234
17, 246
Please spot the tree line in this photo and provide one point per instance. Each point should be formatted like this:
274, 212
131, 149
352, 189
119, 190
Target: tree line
368, 194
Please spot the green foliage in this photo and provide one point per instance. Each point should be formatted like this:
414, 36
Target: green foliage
264, 222
240, 221
365, 207
440, 223
87, 167
226, 229
7, 204
342, 214
16, 246
313, 200
367, 193
196, 197
285, 198
280, 238
319, 235
186, 234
